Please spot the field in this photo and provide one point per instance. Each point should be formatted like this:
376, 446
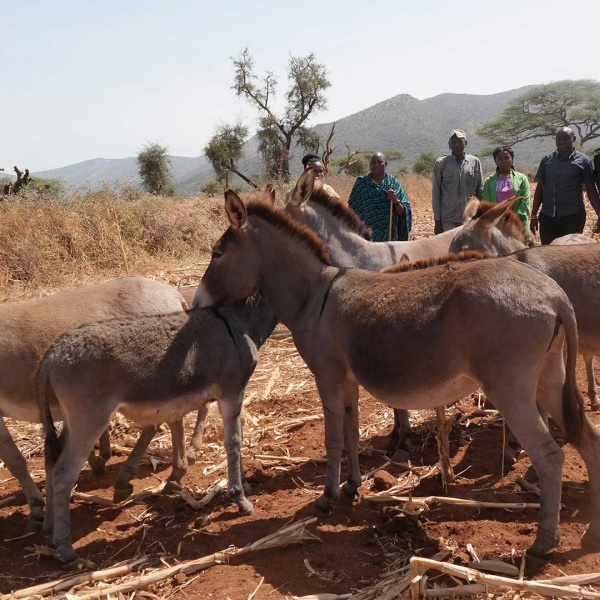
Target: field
362, 547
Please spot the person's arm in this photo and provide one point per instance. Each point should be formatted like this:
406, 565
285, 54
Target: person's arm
436, 197
592, 194
487, 191
522, 208
479, 175
537, 197
353, 201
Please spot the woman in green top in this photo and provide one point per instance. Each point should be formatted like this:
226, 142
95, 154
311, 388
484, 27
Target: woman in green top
506, 183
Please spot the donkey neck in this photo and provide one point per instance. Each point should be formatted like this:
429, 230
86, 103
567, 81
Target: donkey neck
346, 247
292, 279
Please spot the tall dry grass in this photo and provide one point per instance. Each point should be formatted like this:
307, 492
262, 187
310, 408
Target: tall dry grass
47, 244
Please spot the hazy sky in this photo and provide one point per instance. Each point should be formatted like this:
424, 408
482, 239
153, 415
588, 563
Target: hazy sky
84, 80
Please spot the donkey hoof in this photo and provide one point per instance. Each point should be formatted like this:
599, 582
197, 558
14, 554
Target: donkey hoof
591, 540
172, 487
322, 508
34, 526
401, 456
245, 507
122, 493
79, 564
350, 491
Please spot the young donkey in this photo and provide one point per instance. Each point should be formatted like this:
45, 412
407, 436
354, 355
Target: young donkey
353, 326
29, 328
152, 369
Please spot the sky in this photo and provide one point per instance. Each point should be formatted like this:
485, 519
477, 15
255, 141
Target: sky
83, 80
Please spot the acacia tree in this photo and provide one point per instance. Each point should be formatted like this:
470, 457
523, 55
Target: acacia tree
540, 111
305, 95
424, 164
225, 149
155, 169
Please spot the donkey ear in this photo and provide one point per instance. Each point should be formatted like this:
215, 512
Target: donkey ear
236, 211
268, 195
471, 209
490, 218
304, 188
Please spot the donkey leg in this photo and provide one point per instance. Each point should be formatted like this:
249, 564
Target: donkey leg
547, 459
17, 465
592, 388
231, 410
589, 448
123, 487
399, 438
49, 516
332, 398
198, 436
98, 461
65, 471
180, 464
351, 437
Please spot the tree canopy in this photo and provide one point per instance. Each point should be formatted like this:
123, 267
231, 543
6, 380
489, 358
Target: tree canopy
540, 111
305, 95
155, 169
424, 164
225, 149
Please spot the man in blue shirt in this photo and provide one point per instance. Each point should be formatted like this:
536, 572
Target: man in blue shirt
371, 197
560, 178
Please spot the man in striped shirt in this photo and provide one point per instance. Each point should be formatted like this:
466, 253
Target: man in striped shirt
371, 197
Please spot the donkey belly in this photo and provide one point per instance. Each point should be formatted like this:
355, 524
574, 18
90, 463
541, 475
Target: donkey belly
165, 410
16, 408
429, 394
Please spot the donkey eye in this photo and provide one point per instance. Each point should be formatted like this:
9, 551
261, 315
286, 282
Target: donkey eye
216, 254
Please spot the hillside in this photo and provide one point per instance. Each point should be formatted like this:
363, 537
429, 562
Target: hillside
399, 123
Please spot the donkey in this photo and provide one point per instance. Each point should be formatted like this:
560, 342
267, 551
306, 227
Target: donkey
151, 369
28, 329
420, 339
349, 244
572, 261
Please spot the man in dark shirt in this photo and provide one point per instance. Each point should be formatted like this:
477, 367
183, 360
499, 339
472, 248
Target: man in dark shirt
560, 178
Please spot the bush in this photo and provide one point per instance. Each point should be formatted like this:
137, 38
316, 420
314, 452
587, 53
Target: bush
424, 164
358, 166
212, 188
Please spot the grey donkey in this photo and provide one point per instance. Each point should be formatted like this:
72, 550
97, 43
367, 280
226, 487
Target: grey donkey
415, 340
29, 328
573, 261
151, 369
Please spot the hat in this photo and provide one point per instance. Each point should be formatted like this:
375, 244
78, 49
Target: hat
459, 133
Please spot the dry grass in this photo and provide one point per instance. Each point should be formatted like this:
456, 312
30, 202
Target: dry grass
47, 245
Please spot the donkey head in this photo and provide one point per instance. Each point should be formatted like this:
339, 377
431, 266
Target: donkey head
496, 231
232, 274
296, 206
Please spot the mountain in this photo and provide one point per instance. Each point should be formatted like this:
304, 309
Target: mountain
400, 123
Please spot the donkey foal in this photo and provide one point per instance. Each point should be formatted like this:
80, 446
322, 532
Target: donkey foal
153, 370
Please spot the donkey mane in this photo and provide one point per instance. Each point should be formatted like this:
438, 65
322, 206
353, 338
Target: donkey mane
341, 211
425, 263
295, 230
509, 224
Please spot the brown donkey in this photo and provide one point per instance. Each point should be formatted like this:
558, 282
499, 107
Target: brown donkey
414, 340
29, 328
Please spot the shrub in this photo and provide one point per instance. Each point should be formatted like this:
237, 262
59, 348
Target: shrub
212, 187
424, 164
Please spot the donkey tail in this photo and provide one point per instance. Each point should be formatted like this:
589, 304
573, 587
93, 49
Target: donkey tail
46, 393
573, 411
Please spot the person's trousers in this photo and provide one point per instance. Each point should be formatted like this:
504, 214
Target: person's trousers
448, 225
555, 227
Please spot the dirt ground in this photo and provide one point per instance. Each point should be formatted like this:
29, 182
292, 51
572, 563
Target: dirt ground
358, 542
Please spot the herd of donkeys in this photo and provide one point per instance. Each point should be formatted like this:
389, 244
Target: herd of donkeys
419, 324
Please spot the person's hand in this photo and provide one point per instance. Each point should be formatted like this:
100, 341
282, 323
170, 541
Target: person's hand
392, 196
533, 225
395, 202
437, 228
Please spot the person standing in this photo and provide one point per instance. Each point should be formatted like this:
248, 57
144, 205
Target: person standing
371, 197
456, 178
560, 178
312, 161
506, 183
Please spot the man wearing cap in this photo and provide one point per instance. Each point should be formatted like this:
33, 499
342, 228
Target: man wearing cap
560, 178
456, 178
